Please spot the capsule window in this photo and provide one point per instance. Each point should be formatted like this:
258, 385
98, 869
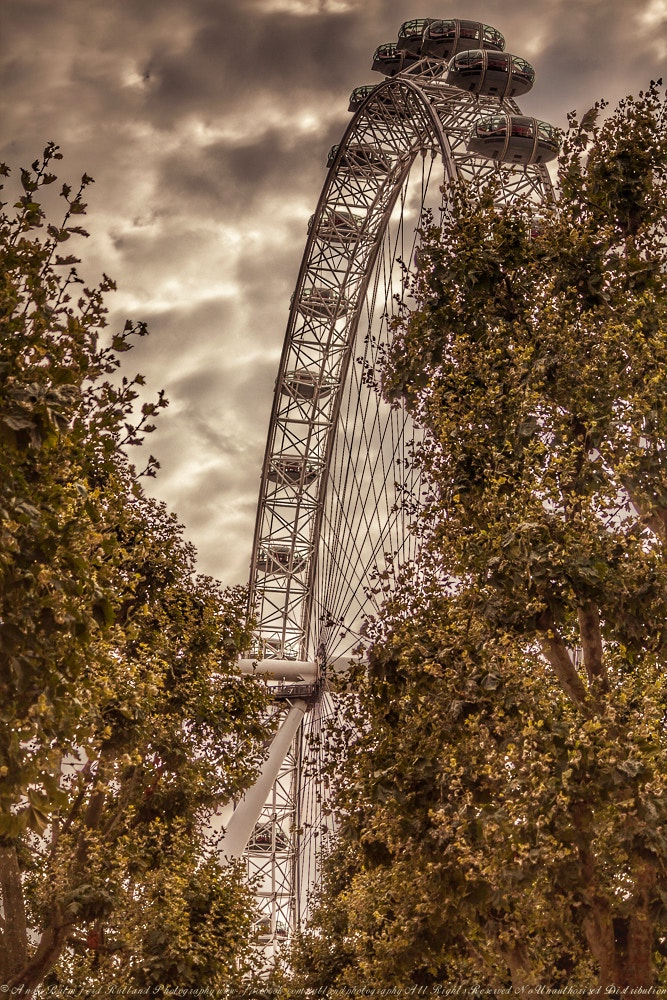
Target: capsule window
548, 135
492, 126
442, 29
414, 27
469, 29
522, 66
361, 93
493, 36
497, 61
523, 128
462, 60
469, 58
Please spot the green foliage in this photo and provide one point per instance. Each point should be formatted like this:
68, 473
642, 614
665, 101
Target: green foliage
124, 722
505, 801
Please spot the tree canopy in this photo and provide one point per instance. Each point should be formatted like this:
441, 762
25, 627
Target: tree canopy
124, 721
503, 813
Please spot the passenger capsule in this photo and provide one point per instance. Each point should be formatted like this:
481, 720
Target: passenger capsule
410, 34
359, 95
338, 226
323, 302
514, 139
388, 98
388, 59
280, 559
262, 839
263, 931
443, 39
495, 74
361, 158
306, 385
292, 471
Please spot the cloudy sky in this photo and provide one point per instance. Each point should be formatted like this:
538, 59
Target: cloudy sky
206, 125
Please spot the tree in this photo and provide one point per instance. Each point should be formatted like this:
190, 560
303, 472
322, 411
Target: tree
124, 721
509, 802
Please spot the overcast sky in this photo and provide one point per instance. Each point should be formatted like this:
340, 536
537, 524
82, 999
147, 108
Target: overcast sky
206, 125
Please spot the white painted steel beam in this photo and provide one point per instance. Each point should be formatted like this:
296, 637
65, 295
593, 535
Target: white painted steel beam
245, 816
297, 671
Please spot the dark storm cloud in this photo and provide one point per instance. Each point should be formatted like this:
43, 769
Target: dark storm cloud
206, 124
246, 51
240, 172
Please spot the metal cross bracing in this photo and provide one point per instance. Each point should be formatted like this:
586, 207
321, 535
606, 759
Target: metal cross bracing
272, 852
408, 115
293, 829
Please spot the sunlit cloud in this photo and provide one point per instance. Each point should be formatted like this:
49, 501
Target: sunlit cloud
655, 13
305, 8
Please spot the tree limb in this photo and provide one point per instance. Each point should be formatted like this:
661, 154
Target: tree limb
656, 521
76, 805
558, 656
591, 642
49, 949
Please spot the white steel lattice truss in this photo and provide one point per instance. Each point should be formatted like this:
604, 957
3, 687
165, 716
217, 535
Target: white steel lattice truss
337, 495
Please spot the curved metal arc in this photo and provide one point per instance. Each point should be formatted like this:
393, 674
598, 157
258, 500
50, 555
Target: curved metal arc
287, 345
443, 148
428, 126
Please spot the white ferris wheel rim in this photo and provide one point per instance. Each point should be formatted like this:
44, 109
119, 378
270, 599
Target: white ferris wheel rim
291, 570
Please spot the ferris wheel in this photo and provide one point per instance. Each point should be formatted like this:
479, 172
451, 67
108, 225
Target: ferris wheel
338, 489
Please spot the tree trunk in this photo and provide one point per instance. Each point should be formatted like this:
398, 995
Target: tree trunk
15, 936
49, 949
623, 945
634, 934
591, 642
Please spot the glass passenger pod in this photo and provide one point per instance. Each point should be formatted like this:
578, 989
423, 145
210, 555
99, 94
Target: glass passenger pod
514, 139
262, 840
385, 97
292, 471
388, 59
326, 303
359, 95
263, 931
443, 39
338, 226
410, 34
306, 385
494, 74
361, 158
280, 559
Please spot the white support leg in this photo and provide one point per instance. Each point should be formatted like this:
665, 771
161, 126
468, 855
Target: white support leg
245, 816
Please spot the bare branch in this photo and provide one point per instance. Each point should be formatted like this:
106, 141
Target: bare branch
559, 657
